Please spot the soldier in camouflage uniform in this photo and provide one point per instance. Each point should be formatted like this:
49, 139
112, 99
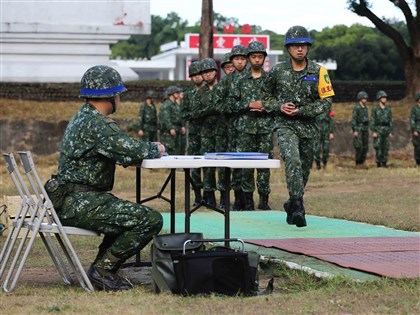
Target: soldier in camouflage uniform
415, 128
360, 127
381, 127
326, 134
222, 126
204, 110
254, 126
183, 136
296, 92
225, 101
91, 147
194, 126
148, 123
170, 119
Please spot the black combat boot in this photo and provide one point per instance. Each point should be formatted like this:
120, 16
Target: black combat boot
198, 199
298, 214
222, 199
263, 204
237, 205
107, 280
210, 199
249, 201
318, 165
287, 208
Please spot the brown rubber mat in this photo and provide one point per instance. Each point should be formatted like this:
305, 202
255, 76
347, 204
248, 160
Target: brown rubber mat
393, 257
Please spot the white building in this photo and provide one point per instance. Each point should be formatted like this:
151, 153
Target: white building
57, 41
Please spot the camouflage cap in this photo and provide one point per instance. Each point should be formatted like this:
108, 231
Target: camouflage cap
238, 50
256, 47
362, 94
226, 59
208, 64
417, 97
297, 35
101, 82
194, 68
381, 94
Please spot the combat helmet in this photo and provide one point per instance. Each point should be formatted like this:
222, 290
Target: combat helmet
256, 47
150, 94
362, 94
297, 35
101, 82
238, 50
172, 90
194, 68
208, 64
417, 97
381, 94
226, 59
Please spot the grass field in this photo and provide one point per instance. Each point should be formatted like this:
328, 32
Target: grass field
389, 197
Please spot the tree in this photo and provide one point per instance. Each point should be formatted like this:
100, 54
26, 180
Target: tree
206, 30
409, 51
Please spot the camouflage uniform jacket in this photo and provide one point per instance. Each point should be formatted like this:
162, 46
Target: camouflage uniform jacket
170, 117
415, 118
283, 84
221, 92
360, 118
204, 109
148, 117
325, 122
249, 90
93, 144
381, 120
187, 114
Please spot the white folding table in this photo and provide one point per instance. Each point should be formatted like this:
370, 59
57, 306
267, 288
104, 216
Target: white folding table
187, 163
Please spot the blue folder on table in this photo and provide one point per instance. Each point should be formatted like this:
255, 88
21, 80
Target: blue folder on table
236, 156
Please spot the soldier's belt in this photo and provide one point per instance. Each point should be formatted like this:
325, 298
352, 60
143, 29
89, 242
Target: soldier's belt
257, 114
73, 187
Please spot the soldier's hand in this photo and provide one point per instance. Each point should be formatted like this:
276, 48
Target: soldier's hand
183, 130
331, 136
141, 133
375, 135
415, 133
256, 106
172, 132
355, 134
289, 109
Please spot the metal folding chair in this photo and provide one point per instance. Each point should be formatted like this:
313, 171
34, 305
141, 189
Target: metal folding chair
37, 215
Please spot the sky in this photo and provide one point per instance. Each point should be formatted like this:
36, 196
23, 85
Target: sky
278, 15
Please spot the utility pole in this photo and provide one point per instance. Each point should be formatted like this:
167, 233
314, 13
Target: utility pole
206, 30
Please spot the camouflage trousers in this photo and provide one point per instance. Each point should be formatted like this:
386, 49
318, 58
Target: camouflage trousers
297, 154
233, 135
361, 146
150, 135
256, 143
221, 146
416, 143
127, 226
381, 146
174, 144
322, 147
208, 144
194, 148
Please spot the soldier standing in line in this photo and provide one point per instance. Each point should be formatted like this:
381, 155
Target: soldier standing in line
148, 123
170, 121
92, 145
296, 91
226, 100
326, 134
381, 127
254, 125
194, 126
415, 128
204, 109
182, 145
222, 126
360, 127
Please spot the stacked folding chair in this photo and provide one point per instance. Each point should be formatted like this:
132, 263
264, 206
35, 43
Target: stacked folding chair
37, 215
